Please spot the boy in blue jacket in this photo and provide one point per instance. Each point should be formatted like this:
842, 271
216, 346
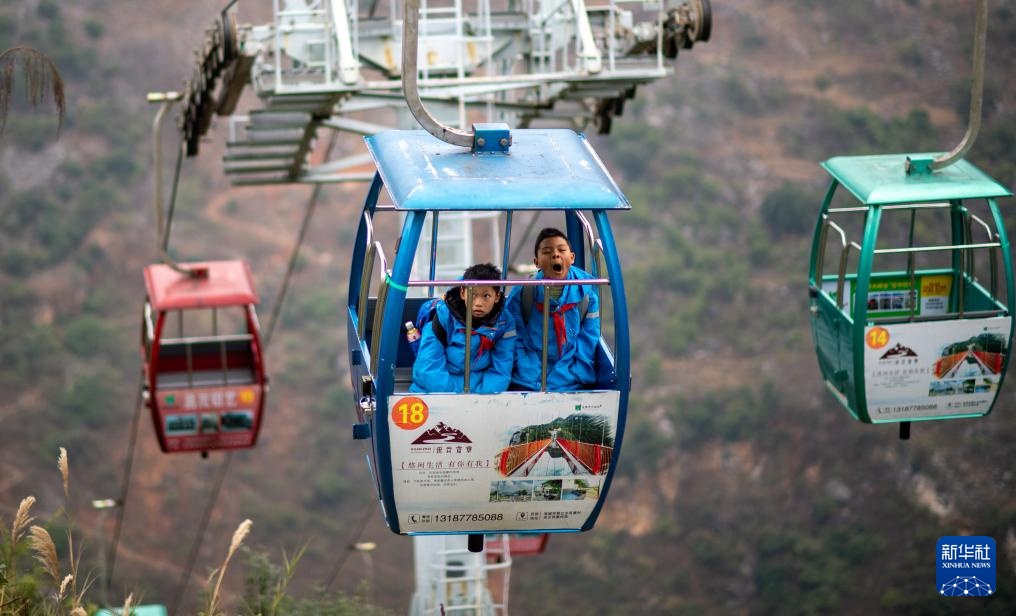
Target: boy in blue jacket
440, 364
574, 321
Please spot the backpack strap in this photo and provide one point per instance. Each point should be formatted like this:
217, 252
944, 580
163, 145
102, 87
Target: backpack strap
439, 331
526, 303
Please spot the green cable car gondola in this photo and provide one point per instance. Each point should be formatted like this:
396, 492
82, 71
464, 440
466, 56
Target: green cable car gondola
908, 330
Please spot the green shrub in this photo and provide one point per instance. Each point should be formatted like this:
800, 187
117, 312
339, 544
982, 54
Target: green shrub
88, 335
789, 210
90, 400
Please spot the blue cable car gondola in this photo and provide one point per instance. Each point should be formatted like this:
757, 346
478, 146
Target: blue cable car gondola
467, 463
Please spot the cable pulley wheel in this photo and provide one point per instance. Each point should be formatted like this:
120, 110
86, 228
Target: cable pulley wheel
702, 27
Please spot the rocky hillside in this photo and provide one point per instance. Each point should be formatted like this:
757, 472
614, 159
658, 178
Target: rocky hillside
743, 487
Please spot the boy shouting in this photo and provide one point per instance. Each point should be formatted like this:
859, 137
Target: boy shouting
574, 324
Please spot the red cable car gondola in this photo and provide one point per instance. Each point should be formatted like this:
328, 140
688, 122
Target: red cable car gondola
204, 378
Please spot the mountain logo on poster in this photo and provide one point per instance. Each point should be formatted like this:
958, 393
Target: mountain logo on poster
898, 352
441, 433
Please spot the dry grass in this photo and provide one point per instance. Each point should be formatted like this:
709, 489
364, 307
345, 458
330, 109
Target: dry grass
22, 519
65, 472
41, 78
239, 535
67, 596
45, 551
63, 586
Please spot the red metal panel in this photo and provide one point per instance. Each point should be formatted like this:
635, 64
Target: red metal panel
228, 283
208, 418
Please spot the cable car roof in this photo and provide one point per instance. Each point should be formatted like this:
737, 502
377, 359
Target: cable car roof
545, 169
229, 283
881, 180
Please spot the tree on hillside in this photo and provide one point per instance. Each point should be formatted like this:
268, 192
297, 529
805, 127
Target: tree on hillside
41, 77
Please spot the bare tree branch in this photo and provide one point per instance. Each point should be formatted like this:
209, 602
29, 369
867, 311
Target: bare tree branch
41, 78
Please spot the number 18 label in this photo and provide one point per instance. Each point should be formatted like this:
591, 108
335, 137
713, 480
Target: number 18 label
409, 413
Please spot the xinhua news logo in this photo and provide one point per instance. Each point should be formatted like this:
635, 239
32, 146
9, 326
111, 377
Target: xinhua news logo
966, 566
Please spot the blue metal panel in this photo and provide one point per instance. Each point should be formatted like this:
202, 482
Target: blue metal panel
387, 360
622, 353
545, 170
360, 247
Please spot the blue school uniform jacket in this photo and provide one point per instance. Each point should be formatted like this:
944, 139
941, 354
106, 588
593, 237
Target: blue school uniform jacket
571, 341
440, 368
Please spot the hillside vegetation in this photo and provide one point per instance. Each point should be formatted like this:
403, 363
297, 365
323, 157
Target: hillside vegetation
743, 486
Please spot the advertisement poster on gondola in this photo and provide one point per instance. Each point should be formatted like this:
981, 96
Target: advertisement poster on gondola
511, 461
895, 296
934, 369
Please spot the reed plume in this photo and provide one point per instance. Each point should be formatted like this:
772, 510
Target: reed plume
65, 472
22, 519
239, 535
45, 551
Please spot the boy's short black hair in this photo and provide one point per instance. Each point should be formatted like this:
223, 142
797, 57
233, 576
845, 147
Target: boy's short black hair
544, 234
482, 271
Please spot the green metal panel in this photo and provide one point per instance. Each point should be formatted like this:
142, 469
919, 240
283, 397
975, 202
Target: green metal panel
816, 244
882, 180
1010, 292
860, 313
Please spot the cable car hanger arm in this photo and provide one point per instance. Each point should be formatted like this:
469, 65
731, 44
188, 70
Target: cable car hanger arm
167, 99
410, 86
923, 165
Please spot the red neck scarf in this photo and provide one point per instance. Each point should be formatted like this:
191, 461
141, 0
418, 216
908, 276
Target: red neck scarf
559, 331
486, 343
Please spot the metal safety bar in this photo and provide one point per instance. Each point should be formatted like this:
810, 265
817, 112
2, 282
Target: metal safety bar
204, 339
844, 256
947, 316
901, 206
911, 274
886, 251
966, 269
368, 267
992, 254
598, 254
469, 338
968, 262
376, 250
382, 299
524, 282
590, 241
